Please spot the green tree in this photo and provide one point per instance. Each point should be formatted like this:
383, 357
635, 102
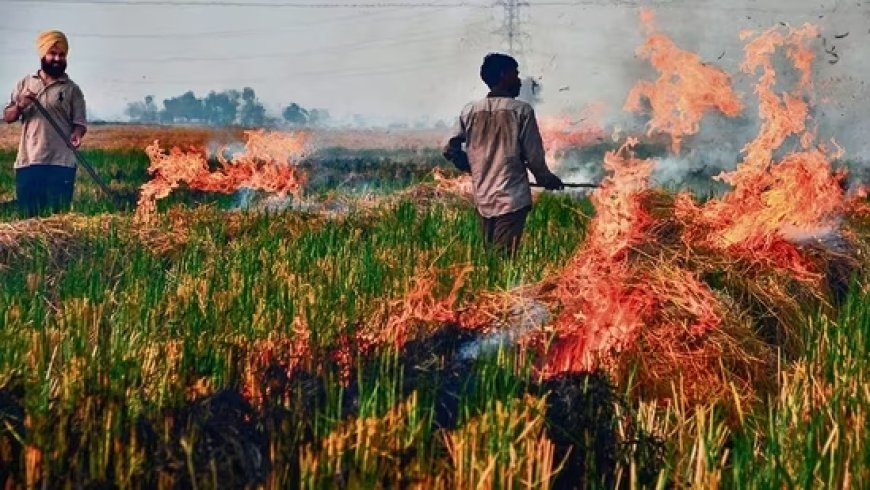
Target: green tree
221, 108
318, 117
295, 115
252, 113
184, 108
142, 111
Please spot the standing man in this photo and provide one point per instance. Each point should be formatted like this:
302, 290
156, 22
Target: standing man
45, 168
501, 140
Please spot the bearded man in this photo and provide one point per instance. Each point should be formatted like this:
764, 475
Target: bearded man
45, 168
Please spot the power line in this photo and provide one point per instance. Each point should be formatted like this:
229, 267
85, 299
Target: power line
349, 72
379, 16
347, 47
340, 48
193, 35
672, 4
385, 15
258, 4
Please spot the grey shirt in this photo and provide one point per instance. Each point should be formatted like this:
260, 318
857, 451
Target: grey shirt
502, 140
40, 143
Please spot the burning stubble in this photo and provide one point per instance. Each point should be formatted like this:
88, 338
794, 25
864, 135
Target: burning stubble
268, 163
615, 288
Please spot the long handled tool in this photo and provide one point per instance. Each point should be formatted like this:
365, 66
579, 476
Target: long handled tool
81, 159
577, 185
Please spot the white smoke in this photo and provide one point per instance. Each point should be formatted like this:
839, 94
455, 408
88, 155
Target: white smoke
525, 317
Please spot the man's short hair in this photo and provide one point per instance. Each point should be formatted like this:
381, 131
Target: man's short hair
494, 65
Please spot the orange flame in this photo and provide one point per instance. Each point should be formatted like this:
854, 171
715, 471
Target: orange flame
400, 319
785, 116
607, 298
620, 219
277, 351
774, 204
601, 307
685, 89
268, 163
561, 133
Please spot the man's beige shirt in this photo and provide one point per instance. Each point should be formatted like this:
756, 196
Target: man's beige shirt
40, 143
502, 140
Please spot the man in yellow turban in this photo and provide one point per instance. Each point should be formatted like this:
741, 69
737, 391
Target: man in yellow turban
48, 39
45, 167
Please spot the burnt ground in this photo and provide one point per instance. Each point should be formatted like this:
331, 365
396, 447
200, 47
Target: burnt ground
222, 438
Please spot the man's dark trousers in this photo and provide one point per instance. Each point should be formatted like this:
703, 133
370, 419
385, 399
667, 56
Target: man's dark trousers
504, 232
44, 188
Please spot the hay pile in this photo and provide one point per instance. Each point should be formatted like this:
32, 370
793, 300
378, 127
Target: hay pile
64, 236
659, 308
707, 295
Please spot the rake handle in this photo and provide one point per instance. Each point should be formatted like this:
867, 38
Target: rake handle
81, 159
578, 185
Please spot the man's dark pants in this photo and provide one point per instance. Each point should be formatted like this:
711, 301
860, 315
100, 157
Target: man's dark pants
44, 188
503, 232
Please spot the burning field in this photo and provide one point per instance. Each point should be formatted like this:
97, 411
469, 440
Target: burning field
285, 336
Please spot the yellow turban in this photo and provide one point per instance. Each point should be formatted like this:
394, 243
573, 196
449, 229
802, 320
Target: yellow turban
47, 39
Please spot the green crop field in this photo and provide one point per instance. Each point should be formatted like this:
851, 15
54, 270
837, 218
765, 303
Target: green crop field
210, 349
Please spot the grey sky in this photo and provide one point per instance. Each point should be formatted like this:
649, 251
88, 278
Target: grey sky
403, 61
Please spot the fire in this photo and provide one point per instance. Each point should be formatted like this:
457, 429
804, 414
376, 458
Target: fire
774, 204
607, 298
268, 163
616, 288
620, 220
781, 116
561, 133
402, 318
270, 362
685, 90
600, 305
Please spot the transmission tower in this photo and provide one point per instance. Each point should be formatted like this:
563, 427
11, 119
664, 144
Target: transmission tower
514, 36
511, 26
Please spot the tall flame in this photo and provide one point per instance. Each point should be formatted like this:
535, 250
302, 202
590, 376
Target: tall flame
602, 307
684, 91
774, 203
610, 291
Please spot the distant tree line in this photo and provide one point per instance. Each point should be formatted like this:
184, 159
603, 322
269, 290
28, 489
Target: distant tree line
226, 108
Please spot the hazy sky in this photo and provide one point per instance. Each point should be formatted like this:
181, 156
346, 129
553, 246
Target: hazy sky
404, 60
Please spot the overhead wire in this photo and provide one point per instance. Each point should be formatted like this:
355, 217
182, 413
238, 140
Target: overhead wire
350, 72
348, 47
260, 4
332, 20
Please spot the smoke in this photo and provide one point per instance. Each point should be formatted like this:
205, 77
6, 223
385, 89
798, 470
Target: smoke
693, 171
244, 199
532, 91
225, 148
525, 317
716, 148
588, 171
840, 83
